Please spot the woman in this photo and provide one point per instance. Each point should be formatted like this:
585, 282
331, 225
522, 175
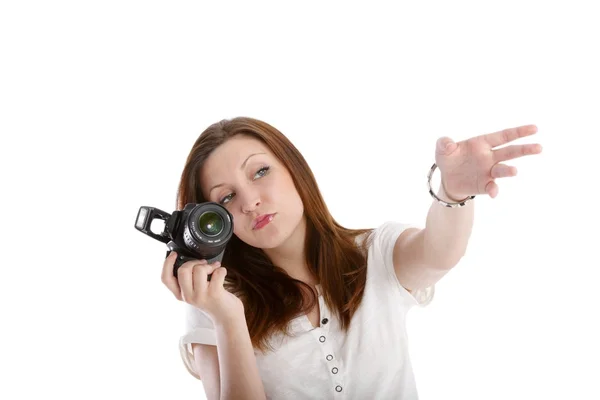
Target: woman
301, 307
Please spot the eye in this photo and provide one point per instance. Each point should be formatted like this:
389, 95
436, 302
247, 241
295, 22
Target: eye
222, 201
259, 174
263, 171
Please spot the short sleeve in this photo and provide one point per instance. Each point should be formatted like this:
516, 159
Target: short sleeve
384, 241
199, 328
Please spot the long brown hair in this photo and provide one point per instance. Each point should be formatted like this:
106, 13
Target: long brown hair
271, 297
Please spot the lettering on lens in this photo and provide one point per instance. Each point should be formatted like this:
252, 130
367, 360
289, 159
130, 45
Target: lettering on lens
210, 223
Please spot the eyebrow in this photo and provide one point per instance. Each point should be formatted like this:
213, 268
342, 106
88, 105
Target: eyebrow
241, 168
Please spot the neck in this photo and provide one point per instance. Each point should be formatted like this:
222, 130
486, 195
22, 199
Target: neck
290, 255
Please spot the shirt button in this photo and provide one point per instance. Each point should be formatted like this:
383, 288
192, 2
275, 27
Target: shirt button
322, 339
329, 357
338, 388
334, 370
324, 321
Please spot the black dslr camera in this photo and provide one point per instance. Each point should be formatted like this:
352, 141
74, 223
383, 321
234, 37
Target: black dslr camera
198, 232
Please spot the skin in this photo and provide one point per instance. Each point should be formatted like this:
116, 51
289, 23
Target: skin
233, 177
421, 256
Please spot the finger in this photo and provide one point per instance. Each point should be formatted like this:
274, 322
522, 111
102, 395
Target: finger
515, 151
167, 277
186, 278
218, 278
492, 189
503, 171
186, 283
191, 263
201, 276
508, 135
168, 264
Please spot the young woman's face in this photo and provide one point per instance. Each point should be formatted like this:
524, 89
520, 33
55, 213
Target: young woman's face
249, 181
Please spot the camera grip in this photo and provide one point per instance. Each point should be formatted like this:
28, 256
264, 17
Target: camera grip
180, 260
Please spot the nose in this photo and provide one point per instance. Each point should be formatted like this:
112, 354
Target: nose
248, 208
250, 201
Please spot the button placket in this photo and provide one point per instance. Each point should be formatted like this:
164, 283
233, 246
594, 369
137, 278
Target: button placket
322, 335
332, 362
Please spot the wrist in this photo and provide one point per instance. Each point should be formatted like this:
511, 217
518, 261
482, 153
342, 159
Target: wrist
451, 200
450, 197
230, 322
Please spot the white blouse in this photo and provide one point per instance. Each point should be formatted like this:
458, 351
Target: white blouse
370, 361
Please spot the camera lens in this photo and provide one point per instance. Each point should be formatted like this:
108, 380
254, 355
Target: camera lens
210, 223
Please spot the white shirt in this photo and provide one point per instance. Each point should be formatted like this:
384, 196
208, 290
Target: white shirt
370, 361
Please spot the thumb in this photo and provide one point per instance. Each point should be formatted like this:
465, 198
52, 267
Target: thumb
445, 145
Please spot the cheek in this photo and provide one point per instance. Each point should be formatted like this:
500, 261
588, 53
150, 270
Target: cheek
290, 188
237, 223
292, 197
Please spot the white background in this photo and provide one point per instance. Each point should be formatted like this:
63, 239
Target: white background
100, 103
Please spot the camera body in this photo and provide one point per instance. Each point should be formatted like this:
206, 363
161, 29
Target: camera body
198, 232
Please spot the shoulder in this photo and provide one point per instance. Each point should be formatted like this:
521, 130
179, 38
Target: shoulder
387, 239
387, 234
380, 241
383, 231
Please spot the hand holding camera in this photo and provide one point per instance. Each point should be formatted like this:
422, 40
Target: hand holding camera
196, 238
193, 286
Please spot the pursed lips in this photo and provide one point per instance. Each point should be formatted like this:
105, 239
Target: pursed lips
260, 219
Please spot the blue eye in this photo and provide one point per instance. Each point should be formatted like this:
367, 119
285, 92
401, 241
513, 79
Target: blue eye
259, 174
265, 171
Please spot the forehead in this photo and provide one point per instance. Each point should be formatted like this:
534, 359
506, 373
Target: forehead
227, 159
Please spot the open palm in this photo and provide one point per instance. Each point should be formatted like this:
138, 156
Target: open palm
471, 166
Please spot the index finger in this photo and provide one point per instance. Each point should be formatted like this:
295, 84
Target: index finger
508, 135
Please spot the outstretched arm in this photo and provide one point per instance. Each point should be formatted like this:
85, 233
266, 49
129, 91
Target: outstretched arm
423, 256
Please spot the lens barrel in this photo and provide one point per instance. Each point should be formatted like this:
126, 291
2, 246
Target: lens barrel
208, 225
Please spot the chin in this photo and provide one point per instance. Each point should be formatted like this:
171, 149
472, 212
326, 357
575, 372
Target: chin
266, 240
268, 244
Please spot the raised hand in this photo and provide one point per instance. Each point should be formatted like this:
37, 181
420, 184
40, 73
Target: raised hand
471, 166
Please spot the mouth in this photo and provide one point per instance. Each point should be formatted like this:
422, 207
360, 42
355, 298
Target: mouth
262, 220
